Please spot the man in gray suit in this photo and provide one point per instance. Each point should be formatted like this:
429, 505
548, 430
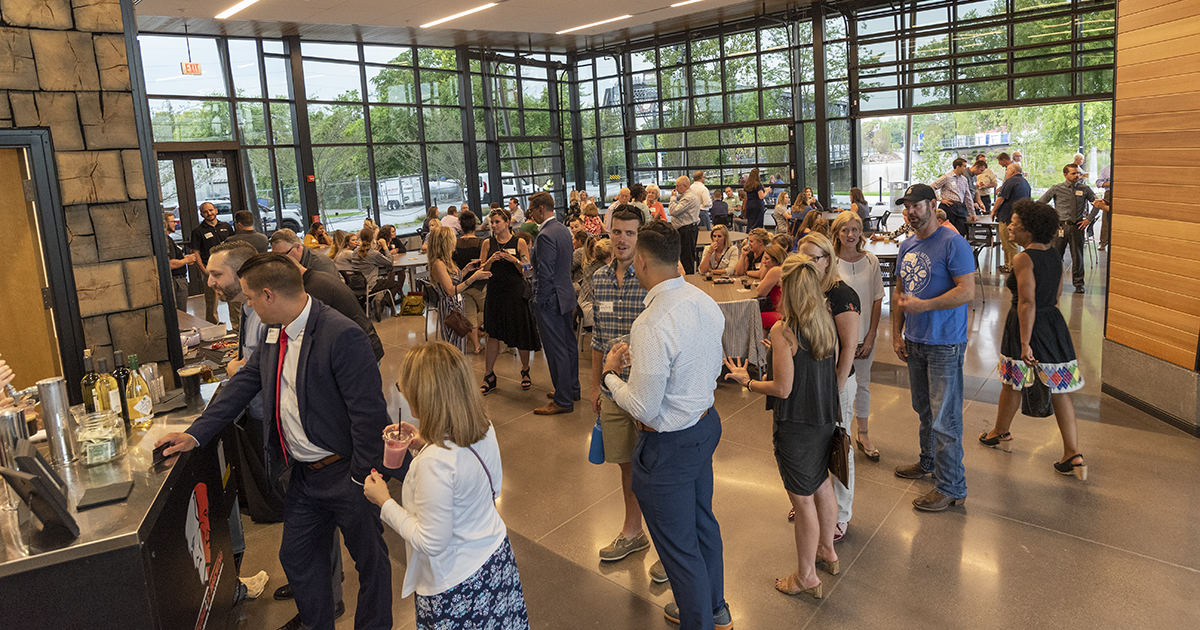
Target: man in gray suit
287, 243
554, 303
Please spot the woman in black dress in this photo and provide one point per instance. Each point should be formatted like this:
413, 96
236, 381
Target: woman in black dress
755, 193
804, 400
506, 313
1036, 341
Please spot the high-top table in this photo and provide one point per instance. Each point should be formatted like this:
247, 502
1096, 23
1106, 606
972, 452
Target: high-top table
743, 333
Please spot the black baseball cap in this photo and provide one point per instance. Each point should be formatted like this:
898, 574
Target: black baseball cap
915, 193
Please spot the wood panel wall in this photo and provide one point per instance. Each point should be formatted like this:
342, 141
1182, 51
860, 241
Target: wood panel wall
1154, 270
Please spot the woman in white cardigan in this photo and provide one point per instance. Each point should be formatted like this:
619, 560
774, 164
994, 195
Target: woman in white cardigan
460, 562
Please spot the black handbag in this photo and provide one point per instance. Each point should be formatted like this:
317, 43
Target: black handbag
1035, 400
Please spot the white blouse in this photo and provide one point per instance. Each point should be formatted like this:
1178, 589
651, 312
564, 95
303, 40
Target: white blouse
866, 279
727, 260
448, 519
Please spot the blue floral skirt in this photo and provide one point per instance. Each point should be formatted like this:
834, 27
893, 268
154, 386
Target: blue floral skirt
490, 599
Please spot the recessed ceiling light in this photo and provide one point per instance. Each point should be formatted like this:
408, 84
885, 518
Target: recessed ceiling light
235, 8
580, 28
458, 15
679, 4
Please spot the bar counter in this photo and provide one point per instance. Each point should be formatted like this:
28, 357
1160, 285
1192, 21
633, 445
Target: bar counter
162, 558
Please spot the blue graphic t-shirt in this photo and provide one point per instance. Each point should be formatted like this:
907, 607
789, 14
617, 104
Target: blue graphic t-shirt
928, 268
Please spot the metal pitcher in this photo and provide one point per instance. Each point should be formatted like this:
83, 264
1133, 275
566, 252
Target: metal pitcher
56, 416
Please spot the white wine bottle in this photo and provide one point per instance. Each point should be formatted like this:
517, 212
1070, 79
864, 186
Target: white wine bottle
108, 393
137, 395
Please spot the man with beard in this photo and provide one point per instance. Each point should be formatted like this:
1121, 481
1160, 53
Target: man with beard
929, 333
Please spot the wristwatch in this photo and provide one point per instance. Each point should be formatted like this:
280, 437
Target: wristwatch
604, 376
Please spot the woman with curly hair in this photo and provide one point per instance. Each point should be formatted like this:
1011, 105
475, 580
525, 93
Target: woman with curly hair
1037, 343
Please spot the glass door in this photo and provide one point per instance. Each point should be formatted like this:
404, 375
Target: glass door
188, 179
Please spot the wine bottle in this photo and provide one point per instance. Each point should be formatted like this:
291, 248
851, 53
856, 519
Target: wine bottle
137, 397
107, 396
87, 386
121, 373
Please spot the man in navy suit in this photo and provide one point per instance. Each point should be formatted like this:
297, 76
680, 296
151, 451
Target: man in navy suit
554, 303
325, 413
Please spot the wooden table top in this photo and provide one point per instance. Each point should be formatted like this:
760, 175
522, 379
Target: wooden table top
722, 292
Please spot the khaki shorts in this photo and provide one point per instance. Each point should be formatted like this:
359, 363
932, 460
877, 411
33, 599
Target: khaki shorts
620, 432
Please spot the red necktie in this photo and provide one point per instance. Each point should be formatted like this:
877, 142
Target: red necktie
283, 341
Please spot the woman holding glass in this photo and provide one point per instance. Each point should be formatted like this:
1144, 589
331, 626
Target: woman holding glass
721, 256
804, 399
506, 312
460, 561
449, 283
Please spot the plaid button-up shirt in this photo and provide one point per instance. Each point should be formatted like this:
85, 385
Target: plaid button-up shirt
614, 307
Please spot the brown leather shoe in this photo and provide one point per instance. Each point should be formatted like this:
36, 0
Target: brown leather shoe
936, 502
552, 409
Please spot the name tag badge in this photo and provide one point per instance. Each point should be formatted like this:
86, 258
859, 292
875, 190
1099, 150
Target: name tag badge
208, 235
273, 335
1078, 193
607, 307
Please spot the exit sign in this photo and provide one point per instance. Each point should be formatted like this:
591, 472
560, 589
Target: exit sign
190, 68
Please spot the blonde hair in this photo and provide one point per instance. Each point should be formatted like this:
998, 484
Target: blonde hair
339, 243
573, 197
776, 253
724, 232
441, 247
589, 210
603, 251
802, 304
439, 384
818, 240
762, 235
840, 222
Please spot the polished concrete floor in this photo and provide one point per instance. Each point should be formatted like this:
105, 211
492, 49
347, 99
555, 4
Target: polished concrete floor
1030, 549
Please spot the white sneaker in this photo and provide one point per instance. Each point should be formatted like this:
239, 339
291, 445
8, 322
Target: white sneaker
255, 584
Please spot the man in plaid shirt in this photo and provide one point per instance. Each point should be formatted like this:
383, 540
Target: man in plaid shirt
618, 301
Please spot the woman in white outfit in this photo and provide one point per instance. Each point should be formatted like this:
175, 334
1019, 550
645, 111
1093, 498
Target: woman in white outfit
460, 562
860, 269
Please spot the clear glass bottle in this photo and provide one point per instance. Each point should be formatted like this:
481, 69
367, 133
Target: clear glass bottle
108, 395
121, 373
137, 396
87, 385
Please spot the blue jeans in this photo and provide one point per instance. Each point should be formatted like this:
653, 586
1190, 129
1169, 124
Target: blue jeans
673, 483
935, 375
705, 219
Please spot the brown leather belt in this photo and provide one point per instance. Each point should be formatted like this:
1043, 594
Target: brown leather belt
318, 465
644, 427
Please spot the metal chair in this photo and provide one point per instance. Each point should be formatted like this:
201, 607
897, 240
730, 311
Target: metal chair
430, 298
358, 286
879, 223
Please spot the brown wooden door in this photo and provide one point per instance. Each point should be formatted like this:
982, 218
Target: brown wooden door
29, 343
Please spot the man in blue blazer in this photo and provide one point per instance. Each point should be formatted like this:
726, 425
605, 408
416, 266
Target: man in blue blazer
325, 414
554, 303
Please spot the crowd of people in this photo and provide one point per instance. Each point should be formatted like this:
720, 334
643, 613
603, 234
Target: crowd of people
656, 358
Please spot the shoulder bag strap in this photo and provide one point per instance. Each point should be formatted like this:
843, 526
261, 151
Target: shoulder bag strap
485, 471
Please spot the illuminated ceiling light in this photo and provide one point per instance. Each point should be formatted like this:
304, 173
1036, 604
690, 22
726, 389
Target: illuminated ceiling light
679, 4
458, 15
235, 8
580, 28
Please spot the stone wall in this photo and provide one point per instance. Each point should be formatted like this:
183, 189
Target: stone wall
63, 65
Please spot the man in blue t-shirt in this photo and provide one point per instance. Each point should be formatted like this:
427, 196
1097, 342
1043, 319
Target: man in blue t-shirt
929, 333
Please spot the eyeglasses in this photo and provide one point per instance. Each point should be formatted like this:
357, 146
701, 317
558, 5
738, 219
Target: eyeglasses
816, 258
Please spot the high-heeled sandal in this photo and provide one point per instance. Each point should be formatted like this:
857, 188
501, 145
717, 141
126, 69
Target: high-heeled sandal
526, 383
1069, 467
833, 567
790, 585
489, 383
1004, 441
872, 454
